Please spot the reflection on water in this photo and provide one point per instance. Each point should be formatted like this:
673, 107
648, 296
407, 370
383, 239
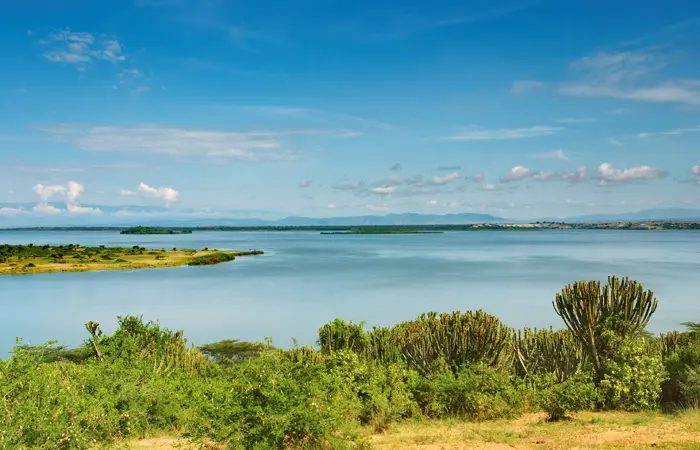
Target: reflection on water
306, 279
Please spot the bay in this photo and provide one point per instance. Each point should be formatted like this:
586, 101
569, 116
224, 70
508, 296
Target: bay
306, 279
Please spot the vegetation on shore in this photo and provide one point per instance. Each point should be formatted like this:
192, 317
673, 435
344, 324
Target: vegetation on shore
155, 230
28, 259
144, 380
496, 226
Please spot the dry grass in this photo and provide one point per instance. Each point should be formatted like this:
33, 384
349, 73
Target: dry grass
585, 431
608, 430
165, 258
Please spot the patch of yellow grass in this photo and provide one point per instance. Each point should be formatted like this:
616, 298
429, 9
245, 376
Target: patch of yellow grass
585, 431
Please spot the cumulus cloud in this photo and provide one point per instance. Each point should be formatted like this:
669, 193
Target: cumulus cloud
580, 174
72, 194
10, 212
304, 183
554, 154
431, 202
45, 193
488, 187
695, 171
446, 179
607, 173
516, 173
503, 134
167, 195
164, 140
544, 176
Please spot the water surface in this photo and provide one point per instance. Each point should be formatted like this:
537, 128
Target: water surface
306, 279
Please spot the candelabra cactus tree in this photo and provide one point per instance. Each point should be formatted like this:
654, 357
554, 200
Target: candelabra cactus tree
621, 306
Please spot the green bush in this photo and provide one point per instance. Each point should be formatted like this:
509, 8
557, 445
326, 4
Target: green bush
632, 378
577, 393
474, 392
682, 389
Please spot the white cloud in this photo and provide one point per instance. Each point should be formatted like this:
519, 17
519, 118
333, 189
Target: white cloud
43, 208
454, 204
431, 202
503, 133
9, 212
46, 192
577, 120
167, 195
478, 177
378, 208
695, 171
331, 206
580, 174
676, 132
160, 139
607, 173
384, 190
446, 179
72, 194
304, 183
488, 187
126, 192
80, 48
516, 173
616, 142
554, 154
544, 176
524, 86
627, 75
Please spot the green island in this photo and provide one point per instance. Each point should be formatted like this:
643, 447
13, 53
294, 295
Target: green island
28, 259
382, 231
155, 230
452, 380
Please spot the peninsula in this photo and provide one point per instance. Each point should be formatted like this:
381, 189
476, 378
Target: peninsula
28, 259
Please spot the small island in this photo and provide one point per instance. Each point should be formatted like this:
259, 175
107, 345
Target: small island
152, 230
381, 231
29, 259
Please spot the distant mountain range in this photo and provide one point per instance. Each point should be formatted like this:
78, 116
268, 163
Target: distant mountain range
160, 216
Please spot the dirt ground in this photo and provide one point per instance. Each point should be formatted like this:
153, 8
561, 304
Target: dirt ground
608, 430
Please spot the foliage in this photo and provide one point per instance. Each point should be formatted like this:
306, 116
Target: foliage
155, 230
577, 393
213, 258
682, 389
589, 311
476, 392
632, 378
229, 351
339, 335
541, 352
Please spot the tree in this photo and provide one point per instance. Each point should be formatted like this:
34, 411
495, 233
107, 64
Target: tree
622, 306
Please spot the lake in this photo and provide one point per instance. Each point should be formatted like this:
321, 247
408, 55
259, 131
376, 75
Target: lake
306, 279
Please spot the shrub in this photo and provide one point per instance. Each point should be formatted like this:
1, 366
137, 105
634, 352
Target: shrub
214, 258
682, 388
577, 393
632, 378
474, 392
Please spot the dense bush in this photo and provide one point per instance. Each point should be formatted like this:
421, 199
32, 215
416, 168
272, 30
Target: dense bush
632, 378
577, 393
682, 389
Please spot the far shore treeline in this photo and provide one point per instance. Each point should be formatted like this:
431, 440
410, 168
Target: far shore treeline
145, 380
392, 229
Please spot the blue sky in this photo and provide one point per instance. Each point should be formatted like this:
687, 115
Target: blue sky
519, 108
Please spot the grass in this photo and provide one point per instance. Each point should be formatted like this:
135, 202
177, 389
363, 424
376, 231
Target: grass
82, 259
592, 430
589, 430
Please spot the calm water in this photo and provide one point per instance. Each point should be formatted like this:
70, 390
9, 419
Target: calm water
306, 279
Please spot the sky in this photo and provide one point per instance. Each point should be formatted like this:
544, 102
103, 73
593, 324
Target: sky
322, 108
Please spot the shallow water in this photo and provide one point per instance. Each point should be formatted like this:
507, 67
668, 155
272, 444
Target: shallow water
306, 279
